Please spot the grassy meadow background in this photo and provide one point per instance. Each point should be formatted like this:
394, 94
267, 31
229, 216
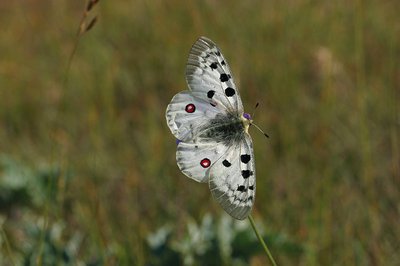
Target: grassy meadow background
87, 163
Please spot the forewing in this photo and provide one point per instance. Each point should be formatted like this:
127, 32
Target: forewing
233, 179
207, 71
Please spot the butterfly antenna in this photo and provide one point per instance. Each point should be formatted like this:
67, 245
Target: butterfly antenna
254, 111
265, 134
252, 117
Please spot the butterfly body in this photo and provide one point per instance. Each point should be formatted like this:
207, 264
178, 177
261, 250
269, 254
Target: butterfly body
208, 120
227, 129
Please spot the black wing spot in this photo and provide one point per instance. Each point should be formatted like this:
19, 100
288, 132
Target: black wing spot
241, 188
223, 62
226, 163
250, 198
246, 173
218, 53
245, 158
214, 65
251, 187
210, 93
224, 77
229, 92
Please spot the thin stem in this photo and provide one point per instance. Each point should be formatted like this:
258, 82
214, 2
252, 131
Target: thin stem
83, 28
271, 259
8, 247
75, 47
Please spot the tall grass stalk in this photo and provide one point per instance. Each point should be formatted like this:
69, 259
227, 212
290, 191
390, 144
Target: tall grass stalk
266, 249
82, 28
7, 244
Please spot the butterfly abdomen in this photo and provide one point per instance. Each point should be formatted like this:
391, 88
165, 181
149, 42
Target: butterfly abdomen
227, 129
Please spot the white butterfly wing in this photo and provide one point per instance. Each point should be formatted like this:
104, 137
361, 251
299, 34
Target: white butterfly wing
188, 111
195, 159
207, 71
188, 115
232, 179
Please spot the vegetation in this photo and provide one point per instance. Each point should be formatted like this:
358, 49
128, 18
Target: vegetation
87, 163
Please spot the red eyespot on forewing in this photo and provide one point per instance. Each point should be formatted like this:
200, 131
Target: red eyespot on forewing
190, 108
205, 163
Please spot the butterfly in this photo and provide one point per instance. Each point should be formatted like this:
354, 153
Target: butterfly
208, 120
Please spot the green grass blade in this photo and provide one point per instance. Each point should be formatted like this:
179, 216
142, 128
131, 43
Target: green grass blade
266, 249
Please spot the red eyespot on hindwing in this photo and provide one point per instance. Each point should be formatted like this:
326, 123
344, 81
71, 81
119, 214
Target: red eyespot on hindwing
190, 108
205, 163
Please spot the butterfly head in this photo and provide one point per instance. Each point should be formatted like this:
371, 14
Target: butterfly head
247, 116
247, 121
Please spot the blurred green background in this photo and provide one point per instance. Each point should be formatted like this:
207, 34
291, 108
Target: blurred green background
87, 164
